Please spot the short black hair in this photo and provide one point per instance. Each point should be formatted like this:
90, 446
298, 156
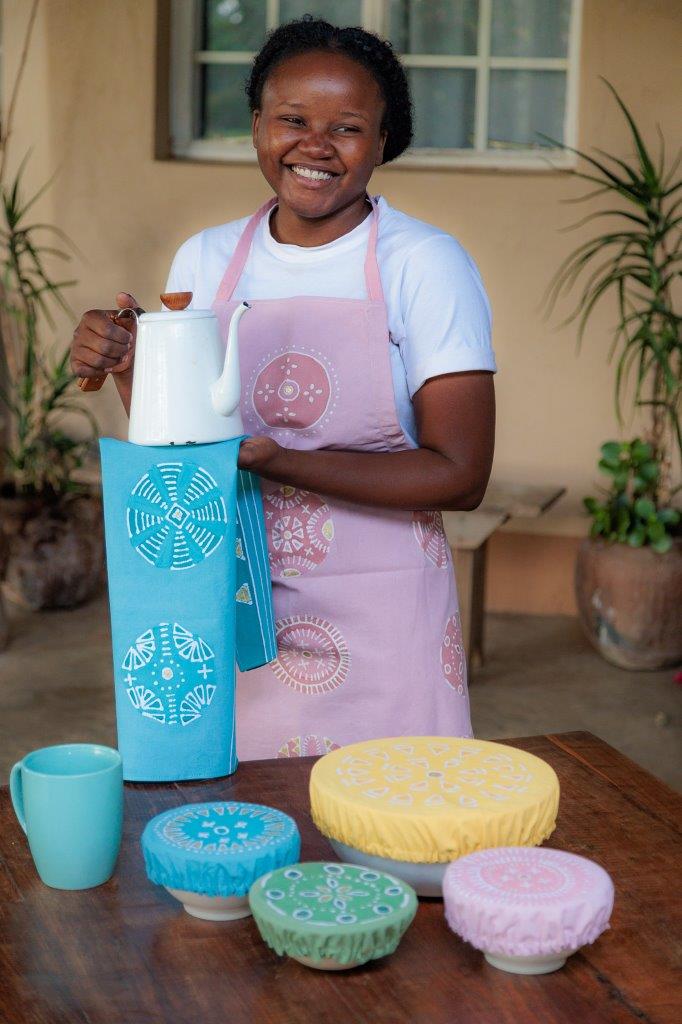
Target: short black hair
375, 54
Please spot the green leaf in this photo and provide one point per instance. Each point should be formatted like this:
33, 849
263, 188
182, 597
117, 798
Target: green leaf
646, 163
645, 508
620, 480
649, 471
663, 545
641, 451
622, 523
637, 537
591, 505
669, 516
656, 531
609, 467
611, 452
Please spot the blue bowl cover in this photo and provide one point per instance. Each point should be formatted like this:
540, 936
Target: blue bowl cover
219, 848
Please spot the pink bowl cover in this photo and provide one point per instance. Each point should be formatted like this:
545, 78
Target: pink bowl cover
527, 901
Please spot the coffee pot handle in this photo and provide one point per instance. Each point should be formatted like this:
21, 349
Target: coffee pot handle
95, 383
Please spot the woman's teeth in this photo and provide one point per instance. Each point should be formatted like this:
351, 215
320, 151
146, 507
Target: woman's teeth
308, 172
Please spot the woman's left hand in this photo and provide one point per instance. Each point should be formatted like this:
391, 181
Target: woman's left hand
259, 454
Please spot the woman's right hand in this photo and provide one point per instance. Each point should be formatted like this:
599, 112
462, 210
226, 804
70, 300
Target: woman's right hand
104, 343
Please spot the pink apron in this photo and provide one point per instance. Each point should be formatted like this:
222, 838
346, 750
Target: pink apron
368, 630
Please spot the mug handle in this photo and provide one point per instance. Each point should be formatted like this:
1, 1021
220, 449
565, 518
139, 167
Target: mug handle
17, 794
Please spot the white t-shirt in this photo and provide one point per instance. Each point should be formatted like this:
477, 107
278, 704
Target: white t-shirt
438, 311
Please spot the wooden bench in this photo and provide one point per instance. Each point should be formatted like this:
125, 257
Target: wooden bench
468, 534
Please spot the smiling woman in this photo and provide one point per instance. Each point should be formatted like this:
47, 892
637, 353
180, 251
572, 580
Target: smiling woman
317, 149
367, 388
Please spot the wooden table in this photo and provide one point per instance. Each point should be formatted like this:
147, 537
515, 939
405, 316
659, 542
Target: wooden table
127, 954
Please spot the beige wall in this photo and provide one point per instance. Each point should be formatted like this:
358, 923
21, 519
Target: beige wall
87, 108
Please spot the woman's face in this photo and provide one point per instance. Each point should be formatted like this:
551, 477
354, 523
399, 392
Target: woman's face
318, 132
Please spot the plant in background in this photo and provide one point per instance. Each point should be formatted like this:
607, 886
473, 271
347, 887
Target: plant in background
628, 513
638, 261
40, 456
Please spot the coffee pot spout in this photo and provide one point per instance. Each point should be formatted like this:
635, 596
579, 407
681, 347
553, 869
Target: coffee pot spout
226, 391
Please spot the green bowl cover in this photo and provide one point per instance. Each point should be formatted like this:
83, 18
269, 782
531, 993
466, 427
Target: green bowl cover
328, 910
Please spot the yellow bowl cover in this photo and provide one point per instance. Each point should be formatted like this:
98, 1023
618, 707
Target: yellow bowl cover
432, 798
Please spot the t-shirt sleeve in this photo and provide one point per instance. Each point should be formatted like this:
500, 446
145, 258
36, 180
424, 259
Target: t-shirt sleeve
182, 274
445, 313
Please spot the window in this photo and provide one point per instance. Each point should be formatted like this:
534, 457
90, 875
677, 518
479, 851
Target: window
489, 78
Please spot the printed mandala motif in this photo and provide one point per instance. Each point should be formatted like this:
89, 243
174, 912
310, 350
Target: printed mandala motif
221, 828
307, 746
292, 391
432, 775
176, 515
168, 674
520, 876
299, 529
452, 657
312, 657
331, 894
430, 535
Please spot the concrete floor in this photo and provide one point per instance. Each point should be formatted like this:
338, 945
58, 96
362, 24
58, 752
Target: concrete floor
540, 676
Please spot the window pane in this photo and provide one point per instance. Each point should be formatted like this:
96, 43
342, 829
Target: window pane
234, 24
444, 107
433, 26
523, 103
338, 12
224, 110
530, 28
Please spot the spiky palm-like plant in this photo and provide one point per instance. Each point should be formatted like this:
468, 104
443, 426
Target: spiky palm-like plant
38, 455
640, 260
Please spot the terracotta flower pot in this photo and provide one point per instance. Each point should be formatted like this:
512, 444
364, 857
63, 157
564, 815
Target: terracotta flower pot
630, 603
56, 550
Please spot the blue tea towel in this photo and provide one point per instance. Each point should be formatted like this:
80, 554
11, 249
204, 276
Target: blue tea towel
172, 558
256, 641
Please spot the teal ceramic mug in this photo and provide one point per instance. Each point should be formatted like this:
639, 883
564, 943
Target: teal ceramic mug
69, 802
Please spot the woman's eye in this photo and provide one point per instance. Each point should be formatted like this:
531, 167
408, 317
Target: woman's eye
348, 128
293, 120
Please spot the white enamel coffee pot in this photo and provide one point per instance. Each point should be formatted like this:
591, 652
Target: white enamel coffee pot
186, 386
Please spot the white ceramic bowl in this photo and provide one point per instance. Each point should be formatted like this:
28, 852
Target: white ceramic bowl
328, 964
529, 964
425, 879
212, 908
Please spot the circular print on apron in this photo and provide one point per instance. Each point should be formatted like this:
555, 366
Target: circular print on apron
292, 391
299, 528
452, 658
307, 746
430, 535
312, 655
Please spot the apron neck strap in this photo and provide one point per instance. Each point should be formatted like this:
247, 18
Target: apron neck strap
241, 253
372, 276
236, 265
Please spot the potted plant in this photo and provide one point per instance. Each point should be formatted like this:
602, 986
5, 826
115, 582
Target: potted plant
51, 523
629, 571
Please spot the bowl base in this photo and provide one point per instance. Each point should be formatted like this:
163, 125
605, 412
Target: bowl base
212, 908
528, 964
328, 964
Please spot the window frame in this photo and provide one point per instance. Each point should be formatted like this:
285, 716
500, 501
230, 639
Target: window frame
185, 60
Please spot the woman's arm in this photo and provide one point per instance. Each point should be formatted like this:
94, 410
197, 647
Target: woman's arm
455, 416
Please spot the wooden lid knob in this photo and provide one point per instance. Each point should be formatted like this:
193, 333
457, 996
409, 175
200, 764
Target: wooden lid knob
176, 300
